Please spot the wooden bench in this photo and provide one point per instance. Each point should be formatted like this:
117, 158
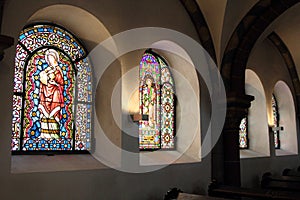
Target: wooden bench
289, 172
224, 191
185, 196
175, 193
288, 183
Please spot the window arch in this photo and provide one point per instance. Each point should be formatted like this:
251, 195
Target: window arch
157, 103
257, 129
275, 115
52, 101
285, 124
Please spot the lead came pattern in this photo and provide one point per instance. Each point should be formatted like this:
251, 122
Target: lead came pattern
47, 35
276, 121
16, 122
83, 127
20, 59
243, 134
36, 128
157, 128
167, 121
40, 102
149, 130
84, 81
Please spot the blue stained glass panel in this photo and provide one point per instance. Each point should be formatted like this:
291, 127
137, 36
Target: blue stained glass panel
48, 58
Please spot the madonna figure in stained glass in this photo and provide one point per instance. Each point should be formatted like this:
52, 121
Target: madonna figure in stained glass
49, 61
51, 96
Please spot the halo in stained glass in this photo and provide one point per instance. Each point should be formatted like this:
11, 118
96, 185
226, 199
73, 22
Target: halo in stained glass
49, 62
157, 105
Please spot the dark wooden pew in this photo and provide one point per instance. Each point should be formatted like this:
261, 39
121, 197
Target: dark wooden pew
175, 193
217, 190
185, 196
288, 183
289, 172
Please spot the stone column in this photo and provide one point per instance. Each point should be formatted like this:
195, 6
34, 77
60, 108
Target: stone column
226, 154
237, 108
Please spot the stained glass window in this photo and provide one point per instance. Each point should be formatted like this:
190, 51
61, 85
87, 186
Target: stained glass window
157, 103
52, 91
243, 133
276, 122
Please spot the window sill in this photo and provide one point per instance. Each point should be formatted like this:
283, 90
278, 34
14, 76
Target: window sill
281, 152
166, 157
248, 153
44, 163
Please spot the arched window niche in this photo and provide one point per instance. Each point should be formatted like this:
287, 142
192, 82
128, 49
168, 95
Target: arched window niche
287, 120
52, 102
257, 129
59, 14
186, 146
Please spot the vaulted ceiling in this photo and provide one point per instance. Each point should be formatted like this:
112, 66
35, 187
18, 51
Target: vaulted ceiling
223, 16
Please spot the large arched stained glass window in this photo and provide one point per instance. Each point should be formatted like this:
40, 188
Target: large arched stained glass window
52, 91
157, 103
276, 122
243, 133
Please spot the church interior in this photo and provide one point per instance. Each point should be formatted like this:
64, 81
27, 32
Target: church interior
127, 99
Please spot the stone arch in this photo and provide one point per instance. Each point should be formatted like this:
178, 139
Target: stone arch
201, 26
233, 67
287, 119
243, 39
290, 64
60, 14
257, 118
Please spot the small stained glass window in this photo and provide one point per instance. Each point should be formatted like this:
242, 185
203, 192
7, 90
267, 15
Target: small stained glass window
243, 133
157, 103
276, 121
52, 91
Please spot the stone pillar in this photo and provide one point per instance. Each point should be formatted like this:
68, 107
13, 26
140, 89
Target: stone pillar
226, 153
5, 42
237, 108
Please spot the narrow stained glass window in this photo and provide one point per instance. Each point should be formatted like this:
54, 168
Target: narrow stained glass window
244, 133
276, 122
52, 91
157, 104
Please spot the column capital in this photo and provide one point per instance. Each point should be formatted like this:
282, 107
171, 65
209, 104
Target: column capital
239, 100
237, 109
